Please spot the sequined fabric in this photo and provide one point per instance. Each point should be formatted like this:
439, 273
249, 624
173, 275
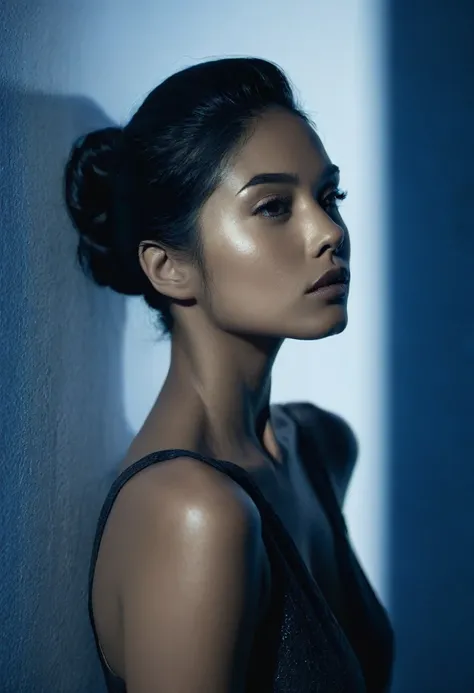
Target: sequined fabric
300, 647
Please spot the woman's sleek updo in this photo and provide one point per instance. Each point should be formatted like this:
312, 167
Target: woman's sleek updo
150, 179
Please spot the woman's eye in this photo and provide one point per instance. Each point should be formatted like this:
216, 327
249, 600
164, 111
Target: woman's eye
334, 197
281, 206
277, 207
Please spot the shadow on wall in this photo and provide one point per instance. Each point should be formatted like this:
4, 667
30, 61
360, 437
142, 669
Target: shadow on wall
63, 424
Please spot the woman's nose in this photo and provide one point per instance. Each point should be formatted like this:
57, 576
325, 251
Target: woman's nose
327, 234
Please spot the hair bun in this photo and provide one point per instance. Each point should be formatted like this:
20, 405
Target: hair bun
89, 186
90, 194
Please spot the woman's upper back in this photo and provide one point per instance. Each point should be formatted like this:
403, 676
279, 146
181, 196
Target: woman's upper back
194, 561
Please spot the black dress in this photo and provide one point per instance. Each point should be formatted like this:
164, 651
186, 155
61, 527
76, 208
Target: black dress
300, 647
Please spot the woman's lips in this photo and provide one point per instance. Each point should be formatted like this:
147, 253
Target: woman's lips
335, 275
337, 289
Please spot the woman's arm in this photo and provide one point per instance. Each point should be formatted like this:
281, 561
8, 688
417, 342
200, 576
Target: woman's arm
191, 585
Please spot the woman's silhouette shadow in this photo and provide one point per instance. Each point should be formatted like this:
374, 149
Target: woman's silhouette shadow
63, 422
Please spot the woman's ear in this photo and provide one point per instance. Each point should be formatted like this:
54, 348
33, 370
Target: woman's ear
168, 274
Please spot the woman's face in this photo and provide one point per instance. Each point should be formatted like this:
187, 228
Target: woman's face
265, 243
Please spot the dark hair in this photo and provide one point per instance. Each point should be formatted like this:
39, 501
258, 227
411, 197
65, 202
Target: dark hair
149, 180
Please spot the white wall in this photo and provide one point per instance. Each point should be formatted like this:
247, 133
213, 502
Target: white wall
72, 66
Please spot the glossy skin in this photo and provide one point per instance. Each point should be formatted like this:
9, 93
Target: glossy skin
263, 247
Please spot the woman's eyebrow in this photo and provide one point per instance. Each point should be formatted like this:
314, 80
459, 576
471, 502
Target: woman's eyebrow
331, 171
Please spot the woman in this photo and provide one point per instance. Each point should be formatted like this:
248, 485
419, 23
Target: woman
221, 561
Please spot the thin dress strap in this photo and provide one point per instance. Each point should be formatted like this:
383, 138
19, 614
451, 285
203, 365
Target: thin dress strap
274, 532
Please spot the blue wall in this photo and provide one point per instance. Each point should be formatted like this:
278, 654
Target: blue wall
63, 429
62, 419
431, 340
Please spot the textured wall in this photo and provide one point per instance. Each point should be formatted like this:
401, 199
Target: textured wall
79, 367
62, 423
62, 418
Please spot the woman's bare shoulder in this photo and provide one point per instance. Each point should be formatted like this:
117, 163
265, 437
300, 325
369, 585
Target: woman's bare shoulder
178, 518
177, 484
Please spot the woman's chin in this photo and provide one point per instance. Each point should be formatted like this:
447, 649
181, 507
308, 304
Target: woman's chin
324, 327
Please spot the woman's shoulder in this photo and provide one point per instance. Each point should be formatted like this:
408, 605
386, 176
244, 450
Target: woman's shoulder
178, 483
177, 518
334, 439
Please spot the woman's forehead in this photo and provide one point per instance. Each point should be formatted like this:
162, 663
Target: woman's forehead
280, 142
